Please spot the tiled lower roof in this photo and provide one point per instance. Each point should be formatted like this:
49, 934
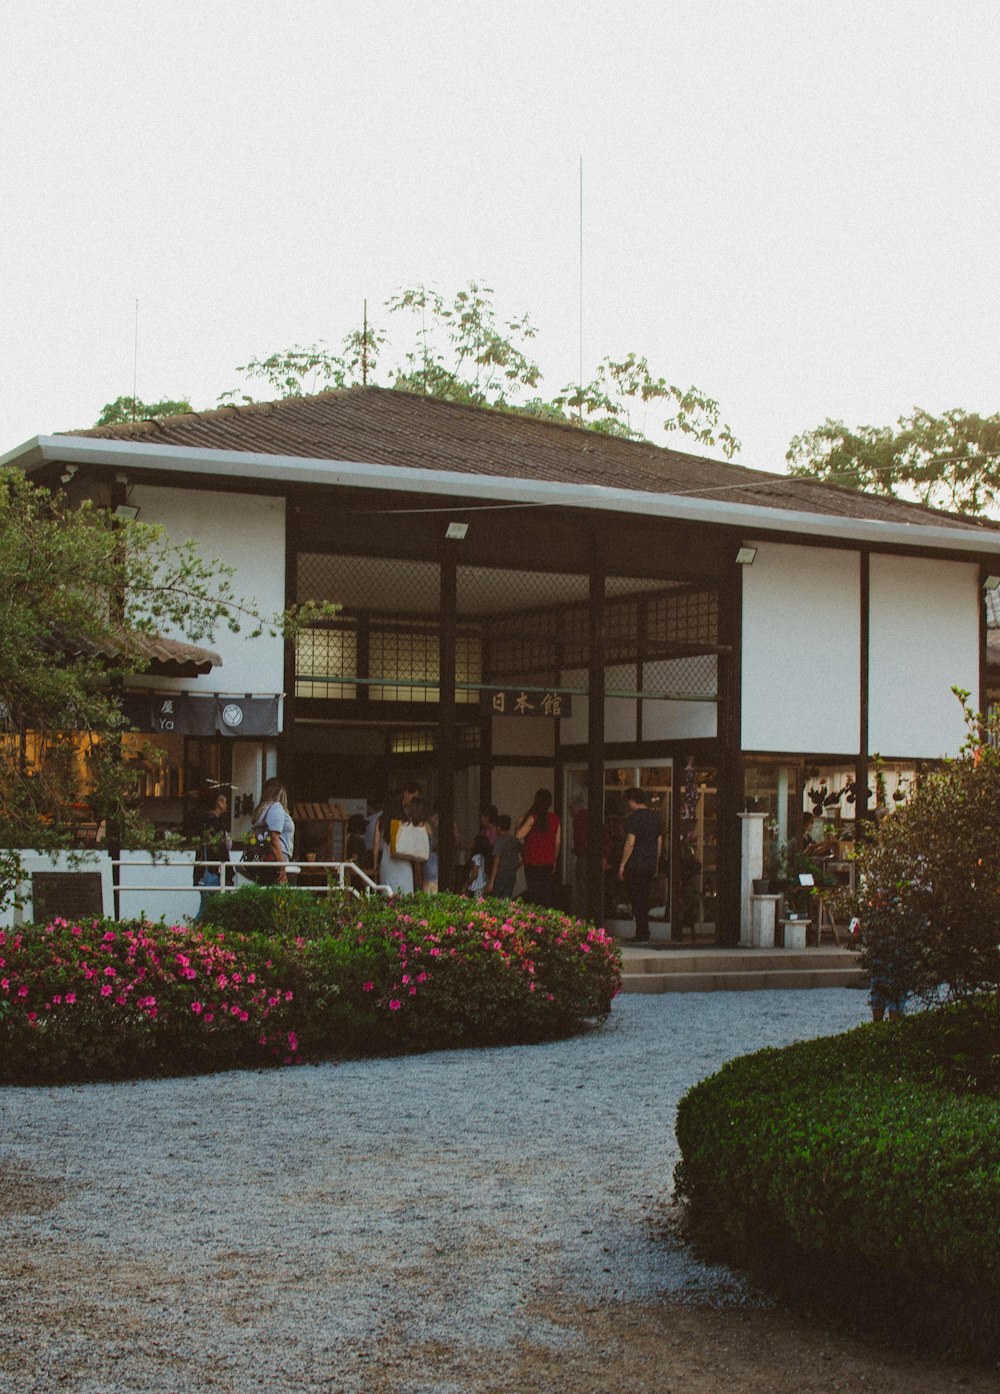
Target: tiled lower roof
378, 426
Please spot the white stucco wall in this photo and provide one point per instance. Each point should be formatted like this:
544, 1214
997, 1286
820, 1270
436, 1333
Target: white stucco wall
924, 640
247, 533
801, 649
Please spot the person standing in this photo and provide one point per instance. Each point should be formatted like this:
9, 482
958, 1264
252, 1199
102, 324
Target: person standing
272, 814
215, 847
640, 858
395, 871
539, 833
506, 859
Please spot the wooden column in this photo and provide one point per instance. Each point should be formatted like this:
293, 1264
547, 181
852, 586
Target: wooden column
861, 772
447, 724
729, 731
595, 733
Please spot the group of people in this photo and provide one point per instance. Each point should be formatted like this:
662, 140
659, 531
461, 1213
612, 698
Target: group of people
497, 853
499, 850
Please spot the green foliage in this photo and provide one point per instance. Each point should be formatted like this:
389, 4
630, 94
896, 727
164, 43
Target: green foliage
81, 592
128, 409
871, 1152
929, 880
464, 351
106, 1000
950, 461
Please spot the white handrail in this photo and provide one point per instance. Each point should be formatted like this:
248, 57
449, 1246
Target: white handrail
343, 870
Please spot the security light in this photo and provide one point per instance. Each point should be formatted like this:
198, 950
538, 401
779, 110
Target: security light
991, 583
456, 531
745, 556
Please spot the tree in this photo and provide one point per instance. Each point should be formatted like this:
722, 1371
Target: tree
81, 592
128, 409
950, 461
929, 880
463, 351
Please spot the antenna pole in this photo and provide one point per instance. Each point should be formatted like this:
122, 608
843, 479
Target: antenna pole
135, 360
364, 346
580, 379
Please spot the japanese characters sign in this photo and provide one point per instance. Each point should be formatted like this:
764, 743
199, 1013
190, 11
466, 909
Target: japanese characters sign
514, 701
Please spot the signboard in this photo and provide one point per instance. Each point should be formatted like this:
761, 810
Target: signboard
71, 895
186, 715
514, 701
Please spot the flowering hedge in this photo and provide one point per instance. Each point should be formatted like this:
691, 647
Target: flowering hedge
113, 1000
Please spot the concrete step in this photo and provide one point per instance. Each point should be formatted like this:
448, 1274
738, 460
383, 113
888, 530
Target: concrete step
711, 969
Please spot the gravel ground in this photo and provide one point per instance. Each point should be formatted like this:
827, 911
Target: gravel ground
398, 1224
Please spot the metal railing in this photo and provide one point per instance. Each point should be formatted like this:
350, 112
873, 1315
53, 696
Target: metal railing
341, 877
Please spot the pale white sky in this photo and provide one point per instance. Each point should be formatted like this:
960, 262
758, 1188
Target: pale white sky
791, 205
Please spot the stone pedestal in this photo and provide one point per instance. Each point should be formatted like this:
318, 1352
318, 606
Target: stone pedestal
751, 865
763, 913
794, 932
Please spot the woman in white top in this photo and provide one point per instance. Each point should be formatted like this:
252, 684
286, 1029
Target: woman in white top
272, 813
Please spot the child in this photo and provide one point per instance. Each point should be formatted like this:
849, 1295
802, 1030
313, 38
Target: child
476, 871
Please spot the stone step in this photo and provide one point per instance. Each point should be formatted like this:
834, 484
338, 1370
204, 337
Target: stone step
708, 968
752, 980
715, 960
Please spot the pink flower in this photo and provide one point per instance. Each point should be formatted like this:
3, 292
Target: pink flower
70, 998
105, 991
109, 972
196, 1008
22, 992
395, 1005
365, 987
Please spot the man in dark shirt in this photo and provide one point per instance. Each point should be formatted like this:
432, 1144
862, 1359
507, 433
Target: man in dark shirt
640, 858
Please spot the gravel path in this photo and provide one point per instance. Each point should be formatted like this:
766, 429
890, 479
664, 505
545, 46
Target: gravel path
372, 1225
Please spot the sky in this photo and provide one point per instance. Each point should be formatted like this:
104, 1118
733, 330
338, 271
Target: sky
788, 204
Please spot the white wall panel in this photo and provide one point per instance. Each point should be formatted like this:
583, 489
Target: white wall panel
248, 534
672, 721
801, 649
924, 641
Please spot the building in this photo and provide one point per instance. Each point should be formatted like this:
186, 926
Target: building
527, 604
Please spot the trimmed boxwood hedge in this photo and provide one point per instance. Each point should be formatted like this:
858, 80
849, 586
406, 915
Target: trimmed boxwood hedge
103, 1000
864, 1167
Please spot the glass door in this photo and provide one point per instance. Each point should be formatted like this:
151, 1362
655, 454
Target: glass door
656, 781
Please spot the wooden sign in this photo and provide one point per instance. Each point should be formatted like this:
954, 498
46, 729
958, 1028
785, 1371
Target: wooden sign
513, 701
66, 895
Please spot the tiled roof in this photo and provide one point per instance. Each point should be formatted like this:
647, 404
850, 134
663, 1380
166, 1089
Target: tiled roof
378, 426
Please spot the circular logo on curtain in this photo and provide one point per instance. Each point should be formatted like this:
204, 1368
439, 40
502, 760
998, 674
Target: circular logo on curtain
232, 715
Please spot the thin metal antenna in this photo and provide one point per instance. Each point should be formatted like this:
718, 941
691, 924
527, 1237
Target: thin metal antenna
580, 379
135, 359
364, 347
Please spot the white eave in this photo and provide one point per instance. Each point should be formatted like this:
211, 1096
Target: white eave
242, 467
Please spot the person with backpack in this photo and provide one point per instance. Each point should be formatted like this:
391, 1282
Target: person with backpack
272, 818
215, 846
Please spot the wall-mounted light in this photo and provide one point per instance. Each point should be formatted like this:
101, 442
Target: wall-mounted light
745, 556
456, 531
991, 583
128, 512
68, 474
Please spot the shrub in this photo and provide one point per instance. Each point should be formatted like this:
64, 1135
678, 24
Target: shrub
107, 999
417, 972
929, 881
876, 1155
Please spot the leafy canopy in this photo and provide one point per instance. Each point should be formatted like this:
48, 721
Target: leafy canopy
950, 461
127, 409
81, 591
463, 350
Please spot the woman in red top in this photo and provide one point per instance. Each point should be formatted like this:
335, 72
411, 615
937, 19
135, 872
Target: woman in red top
539, 831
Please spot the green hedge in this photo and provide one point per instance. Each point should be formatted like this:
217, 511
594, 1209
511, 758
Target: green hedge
876, 1153
106, 1000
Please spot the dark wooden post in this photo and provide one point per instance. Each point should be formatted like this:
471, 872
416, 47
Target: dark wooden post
595, 734
728, 729
447, 725
861, 810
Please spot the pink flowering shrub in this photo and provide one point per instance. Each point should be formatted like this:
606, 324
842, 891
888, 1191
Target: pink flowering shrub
489, 972
103, 1000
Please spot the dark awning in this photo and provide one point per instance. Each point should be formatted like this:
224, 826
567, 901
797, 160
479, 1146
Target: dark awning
182, 713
